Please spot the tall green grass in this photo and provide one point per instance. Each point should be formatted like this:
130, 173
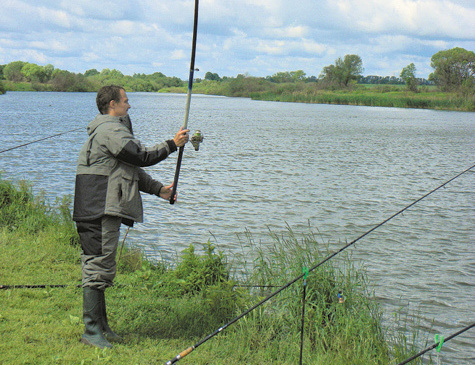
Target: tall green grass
368, 97
161, 308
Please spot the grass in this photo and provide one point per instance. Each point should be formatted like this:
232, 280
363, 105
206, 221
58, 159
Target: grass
394, 96
160, 309
377, 97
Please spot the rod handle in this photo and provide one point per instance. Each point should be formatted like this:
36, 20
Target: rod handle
177, 173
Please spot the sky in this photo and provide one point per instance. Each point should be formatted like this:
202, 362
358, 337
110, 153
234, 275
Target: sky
250, 37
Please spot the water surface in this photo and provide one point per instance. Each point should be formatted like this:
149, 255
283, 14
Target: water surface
339, 170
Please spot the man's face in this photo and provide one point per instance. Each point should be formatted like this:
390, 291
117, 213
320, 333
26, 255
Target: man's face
120, 109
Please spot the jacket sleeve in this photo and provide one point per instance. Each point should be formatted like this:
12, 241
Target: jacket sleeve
125, 147
147, 184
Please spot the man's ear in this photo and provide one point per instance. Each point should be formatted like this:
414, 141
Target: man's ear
112, 104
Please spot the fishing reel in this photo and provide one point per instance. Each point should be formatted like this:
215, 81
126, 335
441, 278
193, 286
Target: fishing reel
196, 139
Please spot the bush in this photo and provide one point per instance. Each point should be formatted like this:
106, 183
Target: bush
21, 211
192, 299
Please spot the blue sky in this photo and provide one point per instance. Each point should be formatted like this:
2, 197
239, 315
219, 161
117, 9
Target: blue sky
254, 37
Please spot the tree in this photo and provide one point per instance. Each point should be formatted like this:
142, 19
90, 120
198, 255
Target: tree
212, 76
298, 75
280, 77
408, 74
49, 69
68, 81
330, 74
12, 71
343, 71
453, 68
33, 73
352, 68
91, 72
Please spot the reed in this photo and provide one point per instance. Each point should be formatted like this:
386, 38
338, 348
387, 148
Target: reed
368, 97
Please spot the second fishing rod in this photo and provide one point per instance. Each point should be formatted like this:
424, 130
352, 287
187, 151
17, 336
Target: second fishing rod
329, 257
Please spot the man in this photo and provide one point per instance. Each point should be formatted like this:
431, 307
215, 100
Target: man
109, 179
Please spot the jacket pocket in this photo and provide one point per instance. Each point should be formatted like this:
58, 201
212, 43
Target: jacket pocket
128, 187
123, 194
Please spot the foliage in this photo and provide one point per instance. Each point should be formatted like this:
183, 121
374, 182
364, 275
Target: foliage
408, 74
34, 73
194, 273
245, 86
47, 78
343, 71
330, 326
453, 68
12, 71
19, 209
379, 95
68, 81
285, 77
212, 76
23, 212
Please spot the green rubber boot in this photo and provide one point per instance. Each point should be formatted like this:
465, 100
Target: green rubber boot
106, 330
92, 316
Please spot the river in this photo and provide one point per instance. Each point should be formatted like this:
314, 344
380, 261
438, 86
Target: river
339, 170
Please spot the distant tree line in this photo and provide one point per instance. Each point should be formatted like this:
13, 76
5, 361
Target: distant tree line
49, 78
453, 71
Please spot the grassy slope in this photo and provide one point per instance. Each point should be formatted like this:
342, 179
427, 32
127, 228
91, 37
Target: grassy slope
43, 326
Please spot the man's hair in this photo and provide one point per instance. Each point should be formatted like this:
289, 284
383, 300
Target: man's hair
105, 95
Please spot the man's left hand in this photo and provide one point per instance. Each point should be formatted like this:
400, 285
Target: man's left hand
166, 192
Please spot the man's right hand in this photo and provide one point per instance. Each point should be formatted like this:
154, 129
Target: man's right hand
182, 137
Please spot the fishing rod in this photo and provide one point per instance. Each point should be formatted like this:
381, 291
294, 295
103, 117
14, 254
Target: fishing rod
188, 100
42, 139
43, 286
438, 344
305, 270
191, 348
36, 286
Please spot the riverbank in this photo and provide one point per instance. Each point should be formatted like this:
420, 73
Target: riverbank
393, 96
359, 95
162, 308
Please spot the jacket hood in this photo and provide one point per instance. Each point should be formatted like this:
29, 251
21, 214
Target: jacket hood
106, 118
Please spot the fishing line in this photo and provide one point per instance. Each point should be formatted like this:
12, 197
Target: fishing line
39, 140
191, 348
438, 343
43, 286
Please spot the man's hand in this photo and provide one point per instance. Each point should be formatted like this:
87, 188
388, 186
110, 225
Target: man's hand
166, 192
181, 138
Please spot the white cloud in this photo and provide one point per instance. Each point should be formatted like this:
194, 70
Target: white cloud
178, 54
412, 17
261, 37
298, 31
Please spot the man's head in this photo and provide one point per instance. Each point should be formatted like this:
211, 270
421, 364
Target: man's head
112, 100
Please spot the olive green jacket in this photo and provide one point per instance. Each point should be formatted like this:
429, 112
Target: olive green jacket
109, 176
